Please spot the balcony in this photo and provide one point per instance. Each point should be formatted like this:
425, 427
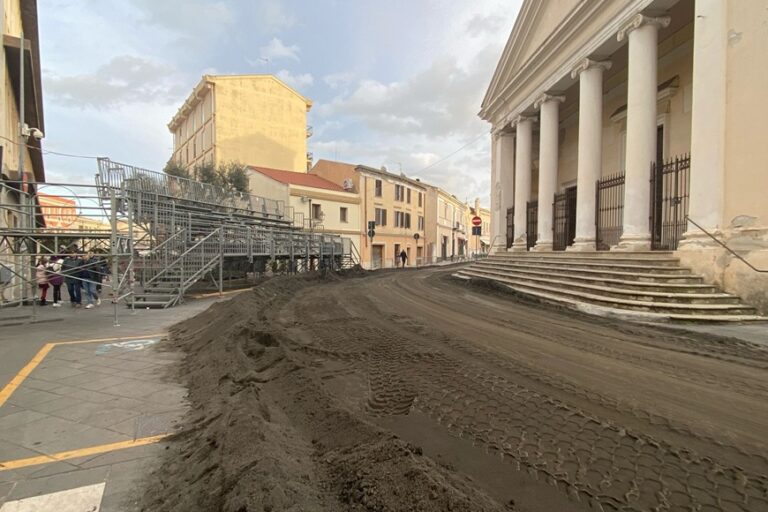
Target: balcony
310, 131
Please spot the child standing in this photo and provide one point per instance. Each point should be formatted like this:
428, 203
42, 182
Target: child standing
41, 276
55, 279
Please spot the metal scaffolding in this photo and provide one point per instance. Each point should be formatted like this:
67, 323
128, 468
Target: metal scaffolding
160, 235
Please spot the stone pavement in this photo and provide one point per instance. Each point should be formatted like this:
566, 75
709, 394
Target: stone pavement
81, 421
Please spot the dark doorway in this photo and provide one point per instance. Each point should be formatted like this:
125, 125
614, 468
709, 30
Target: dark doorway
510, 226
564, 219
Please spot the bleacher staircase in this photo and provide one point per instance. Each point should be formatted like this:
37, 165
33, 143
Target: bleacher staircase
649, 285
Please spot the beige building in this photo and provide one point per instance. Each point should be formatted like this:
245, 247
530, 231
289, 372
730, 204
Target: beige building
447, 233
18, 17
595, 107
251, 119
395, 203
479, 244
314, 203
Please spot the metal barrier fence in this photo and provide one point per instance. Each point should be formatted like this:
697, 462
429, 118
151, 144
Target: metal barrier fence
532, 223
564, 219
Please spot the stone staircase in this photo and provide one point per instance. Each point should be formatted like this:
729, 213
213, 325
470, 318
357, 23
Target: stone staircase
644, 285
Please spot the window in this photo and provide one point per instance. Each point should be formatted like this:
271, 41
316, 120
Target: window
421, 222
343, 214
398, 219
381, 217
316, 212
399, 193
419, 198
408, 221
408, 196
377, 188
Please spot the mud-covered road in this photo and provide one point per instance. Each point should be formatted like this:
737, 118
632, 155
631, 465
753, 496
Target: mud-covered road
410, 390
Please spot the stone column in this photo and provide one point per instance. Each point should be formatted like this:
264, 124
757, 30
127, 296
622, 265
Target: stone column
590, 149
643, 33
549, 106
496, 234
710, 39
522, 179
507, 168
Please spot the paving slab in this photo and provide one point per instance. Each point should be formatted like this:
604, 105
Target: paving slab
88, 402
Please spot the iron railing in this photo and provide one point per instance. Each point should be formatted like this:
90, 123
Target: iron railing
669, 202
531, 223
564, 219
609, 211
510, 226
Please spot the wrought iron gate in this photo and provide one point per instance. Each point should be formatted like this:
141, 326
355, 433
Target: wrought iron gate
609, 211
531, 223
564, 219
669, 202
510, 226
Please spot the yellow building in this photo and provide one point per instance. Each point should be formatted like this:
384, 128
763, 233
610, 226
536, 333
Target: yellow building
446, 221
395, 203
17, 17
314, 203
251, 119
479, 244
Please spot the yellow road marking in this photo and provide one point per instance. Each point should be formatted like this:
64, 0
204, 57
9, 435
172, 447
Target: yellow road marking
16, 381
82, 452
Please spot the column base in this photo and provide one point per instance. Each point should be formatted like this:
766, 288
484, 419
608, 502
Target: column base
633, 243
519, 247
696, 240
582, 245
543, 246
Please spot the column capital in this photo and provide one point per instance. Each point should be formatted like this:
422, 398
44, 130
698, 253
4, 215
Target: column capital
586, 64
639, 20
522, 119
548, 96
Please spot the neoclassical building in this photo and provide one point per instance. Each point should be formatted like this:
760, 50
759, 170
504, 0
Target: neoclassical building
636, 125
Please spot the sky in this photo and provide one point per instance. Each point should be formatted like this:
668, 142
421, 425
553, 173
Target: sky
395, 84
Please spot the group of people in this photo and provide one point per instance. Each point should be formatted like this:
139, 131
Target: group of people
81, 273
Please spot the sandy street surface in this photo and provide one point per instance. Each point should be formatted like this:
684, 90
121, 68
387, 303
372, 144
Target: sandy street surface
411, 391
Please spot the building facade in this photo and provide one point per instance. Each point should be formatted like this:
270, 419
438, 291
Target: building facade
395, 203
446, 227
635, 125
313, 202
479, 244
252, 119
17, 17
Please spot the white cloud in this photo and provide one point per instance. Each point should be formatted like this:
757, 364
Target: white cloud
276, 50
124, 79
340, 79
296, 81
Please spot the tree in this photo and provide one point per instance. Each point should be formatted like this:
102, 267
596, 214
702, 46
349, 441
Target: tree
235, 175
173, 168
207, 173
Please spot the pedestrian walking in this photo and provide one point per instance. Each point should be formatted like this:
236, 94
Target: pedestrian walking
72, 268
403, 257
55, 279
41, 276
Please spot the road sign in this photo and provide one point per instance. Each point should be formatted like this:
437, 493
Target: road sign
371, 233
476, 221
371, 225
477, 230
416, 236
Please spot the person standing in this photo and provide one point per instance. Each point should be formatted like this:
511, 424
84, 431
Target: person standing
91, 277
41, 276
55, 279
72, 268
403, 257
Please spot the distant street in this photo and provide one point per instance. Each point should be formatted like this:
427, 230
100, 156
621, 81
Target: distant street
511, 406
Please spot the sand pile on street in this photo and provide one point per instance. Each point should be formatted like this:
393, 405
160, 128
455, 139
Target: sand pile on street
263, 435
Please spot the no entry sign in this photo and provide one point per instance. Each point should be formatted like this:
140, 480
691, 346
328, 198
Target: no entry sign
476, 221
